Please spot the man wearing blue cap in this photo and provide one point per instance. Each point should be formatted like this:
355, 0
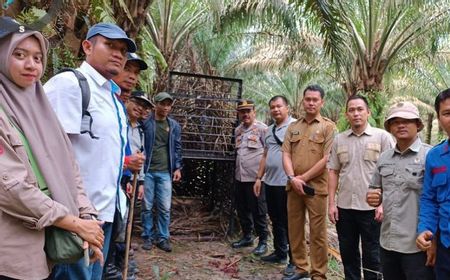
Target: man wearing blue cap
101, 152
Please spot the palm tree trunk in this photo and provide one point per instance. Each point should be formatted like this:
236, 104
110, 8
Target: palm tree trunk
429, 127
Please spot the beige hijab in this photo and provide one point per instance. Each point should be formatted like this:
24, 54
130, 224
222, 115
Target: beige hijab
30, 110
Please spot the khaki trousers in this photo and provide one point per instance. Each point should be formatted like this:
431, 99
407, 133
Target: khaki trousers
317, 213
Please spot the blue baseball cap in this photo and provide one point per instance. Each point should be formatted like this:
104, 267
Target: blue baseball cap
111, 31
134, 57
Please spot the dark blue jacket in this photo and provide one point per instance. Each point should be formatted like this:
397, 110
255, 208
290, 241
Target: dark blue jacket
175, 159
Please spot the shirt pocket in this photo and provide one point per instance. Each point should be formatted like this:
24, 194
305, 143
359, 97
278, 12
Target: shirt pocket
21, 152
253, 142
316, 143
414, 176
372, 151
439, 183
295, 138
386, 171
342, 153
387, 175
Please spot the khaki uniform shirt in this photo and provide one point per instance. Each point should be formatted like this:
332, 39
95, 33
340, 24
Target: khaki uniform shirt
308, 143
400, 176
249, 149
355, 158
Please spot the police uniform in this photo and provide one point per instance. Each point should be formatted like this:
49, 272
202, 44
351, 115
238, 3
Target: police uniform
308, 143
252, 210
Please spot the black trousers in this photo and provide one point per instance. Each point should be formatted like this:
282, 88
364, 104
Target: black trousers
400, 266
276, 197
352, 226
252, 210
442, 266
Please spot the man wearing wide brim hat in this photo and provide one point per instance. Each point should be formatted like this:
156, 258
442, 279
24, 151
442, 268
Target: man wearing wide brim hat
397, 182
251, 209
403, 110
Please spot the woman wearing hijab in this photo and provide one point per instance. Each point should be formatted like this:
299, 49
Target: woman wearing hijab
25, 210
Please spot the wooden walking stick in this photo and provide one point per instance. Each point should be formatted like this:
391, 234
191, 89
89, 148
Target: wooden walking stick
130, 224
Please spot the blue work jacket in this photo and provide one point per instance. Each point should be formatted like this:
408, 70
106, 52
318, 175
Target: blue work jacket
434, 211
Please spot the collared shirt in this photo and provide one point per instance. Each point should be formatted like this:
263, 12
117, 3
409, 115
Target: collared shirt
100, 160
355, 157
250, 148
400, 176
435, 200
274, 171
308, 143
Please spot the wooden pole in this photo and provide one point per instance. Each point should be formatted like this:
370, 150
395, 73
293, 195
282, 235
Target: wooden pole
129, 224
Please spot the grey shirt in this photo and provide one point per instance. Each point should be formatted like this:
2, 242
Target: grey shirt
400, 176
136, 138
355, 157
250, 148
274, 172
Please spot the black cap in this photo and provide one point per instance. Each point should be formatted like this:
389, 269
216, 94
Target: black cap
134, 57
140, 95
9, 26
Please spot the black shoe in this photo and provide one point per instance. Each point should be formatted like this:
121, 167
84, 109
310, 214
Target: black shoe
274, 258
261, 249
289, 270
298, 276
112, 272
246, 241
164, 245
148, 244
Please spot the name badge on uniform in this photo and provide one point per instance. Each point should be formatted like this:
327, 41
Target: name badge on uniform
295, 132
252, 141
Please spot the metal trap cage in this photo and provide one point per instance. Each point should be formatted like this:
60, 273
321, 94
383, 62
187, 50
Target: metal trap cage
205, 107
206, 110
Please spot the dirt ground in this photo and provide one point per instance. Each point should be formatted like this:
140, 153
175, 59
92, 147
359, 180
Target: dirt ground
212, 260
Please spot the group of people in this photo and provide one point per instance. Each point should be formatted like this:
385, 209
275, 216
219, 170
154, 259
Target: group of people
386, 192
70, 148
67, 161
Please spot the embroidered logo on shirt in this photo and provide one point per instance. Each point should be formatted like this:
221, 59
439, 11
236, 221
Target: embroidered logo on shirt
440, 169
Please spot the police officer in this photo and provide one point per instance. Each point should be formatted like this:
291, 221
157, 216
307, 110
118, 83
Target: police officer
252, 210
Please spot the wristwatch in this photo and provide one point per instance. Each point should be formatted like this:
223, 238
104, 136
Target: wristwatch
290, 177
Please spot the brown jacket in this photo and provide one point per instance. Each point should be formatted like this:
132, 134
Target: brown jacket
24, 210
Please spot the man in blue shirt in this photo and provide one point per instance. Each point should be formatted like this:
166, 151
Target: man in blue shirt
434, 215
